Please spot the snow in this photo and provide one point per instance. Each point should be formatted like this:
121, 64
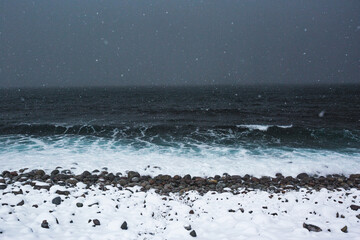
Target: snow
253, 215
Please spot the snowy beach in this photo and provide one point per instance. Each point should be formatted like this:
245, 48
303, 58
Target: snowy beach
63, 207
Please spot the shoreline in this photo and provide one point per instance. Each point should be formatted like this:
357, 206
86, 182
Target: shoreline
165, 184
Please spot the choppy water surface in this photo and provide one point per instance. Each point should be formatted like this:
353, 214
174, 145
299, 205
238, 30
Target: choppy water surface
200, 130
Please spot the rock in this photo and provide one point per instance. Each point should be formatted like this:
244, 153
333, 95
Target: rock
71, 181
79, 204
45, 224
18, 192
20, 203
312, 228
354, 207
193, 233
96, 222
39, 172
191, 211
302, 176
164, 178
187, 177
188, 227
212, 181
62, 192
124, 226
132, 174
56, 201
85, 174
2, 186
344, 229
55, 172
122, 182
135, 179
358, 216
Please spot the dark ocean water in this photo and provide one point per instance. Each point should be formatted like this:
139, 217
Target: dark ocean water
199, 121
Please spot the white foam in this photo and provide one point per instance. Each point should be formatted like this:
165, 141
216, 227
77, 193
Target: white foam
204, 160
262, 127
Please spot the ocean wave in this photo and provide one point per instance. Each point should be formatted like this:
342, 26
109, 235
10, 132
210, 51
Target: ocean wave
82, 152
163, 134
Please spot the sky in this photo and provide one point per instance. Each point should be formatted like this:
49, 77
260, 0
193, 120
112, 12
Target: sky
185, 42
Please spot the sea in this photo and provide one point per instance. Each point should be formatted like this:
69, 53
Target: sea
200, 130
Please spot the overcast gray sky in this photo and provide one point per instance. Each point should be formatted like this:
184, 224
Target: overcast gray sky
150, 42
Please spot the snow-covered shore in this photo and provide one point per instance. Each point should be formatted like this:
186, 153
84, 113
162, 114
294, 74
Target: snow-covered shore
100, 212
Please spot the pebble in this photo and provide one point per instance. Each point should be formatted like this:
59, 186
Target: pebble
45, 224
56, 201
96, 222
188, 227
124, 226
355, 207
193, 233
312, 228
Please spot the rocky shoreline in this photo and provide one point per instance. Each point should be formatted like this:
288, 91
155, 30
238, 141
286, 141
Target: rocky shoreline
165, 184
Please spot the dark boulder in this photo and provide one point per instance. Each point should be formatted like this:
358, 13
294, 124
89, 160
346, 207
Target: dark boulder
312, 228
132, 174
56, 201
354, 207
124, 226
62, 192
193, 233
45, 224
302, 176
20, 203
96, 222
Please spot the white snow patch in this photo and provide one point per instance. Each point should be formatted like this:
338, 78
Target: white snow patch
254, 215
